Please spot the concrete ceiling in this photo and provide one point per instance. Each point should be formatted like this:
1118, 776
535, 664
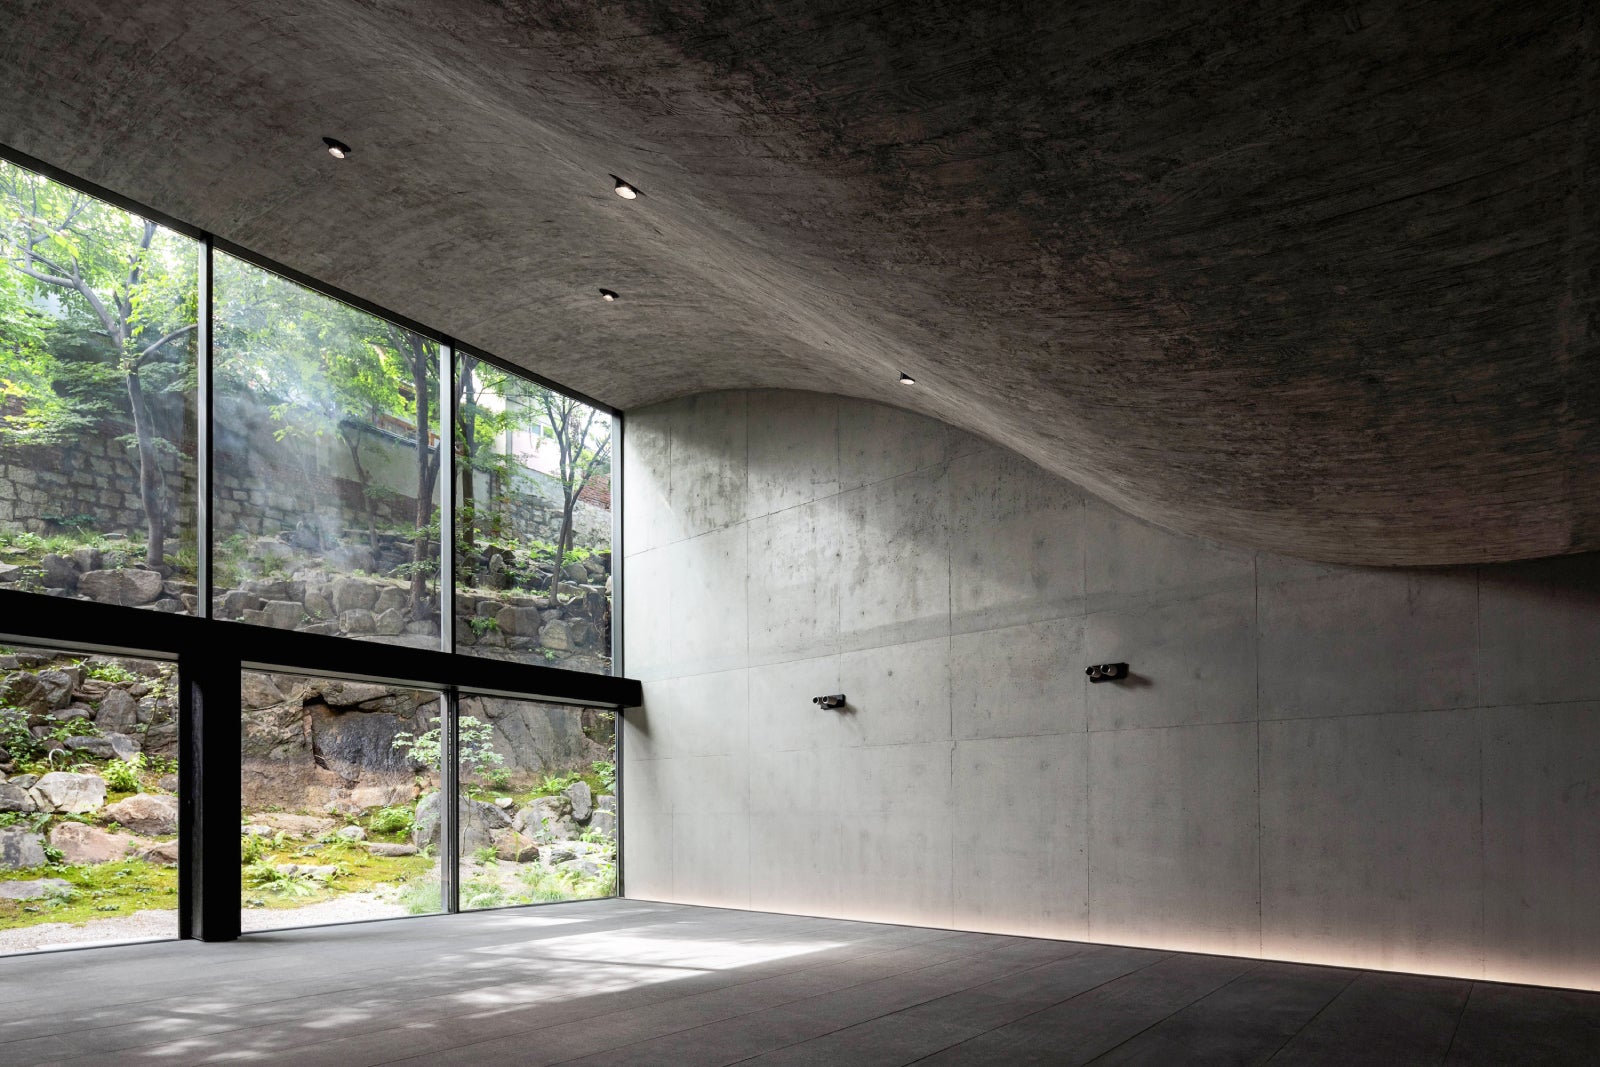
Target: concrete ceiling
1315, 277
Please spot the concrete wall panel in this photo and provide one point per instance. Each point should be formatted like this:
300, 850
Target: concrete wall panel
1376, 768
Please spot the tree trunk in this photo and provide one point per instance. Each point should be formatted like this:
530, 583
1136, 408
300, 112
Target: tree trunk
151, 494
564, 541
427, 473
352, 441
467, 424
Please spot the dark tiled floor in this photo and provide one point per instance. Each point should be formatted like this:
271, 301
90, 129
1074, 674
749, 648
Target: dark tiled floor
632, 983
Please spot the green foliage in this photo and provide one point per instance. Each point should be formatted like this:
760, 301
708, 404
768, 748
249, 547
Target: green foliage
422, 897
483, 624
16, 738
264, 874
475, 739
552, 784
607, 773
485, 855
396, 820
122, 776
111, 671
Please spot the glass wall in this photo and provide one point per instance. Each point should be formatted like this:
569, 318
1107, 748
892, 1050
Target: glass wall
326, 442
533, 522
88, 799
326, 464
97, 399
539, 802
340, 800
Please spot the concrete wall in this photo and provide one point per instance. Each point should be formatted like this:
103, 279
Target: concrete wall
1396, 769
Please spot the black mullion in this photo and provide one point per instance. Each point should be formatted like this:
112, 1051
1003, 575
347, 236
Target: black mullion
450, 802
209, 786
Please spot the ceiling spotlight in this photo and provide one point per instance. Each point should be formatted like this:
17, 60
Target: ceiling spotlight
336, 149
906, 379
607, 295
624, 190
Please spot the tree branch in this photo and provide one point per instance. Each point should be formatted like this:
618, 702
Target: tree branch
173, 336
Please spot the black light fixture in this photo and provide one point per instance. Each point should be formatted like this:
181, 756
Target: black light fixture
1107, 672
624, 190
906, 379
336, 149
607, 295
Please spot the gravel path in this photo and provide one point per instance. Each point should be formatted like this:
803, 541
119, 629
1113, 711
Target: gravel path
159, 925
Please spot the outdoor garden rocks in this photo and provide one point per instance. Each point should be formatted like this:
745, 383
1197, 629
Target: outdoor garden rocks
84, 844
351, 833
14, 798
35, 889
295, 825
385, 848
61, 792
476, 819
118, 711
30, 694
162, 852
19, 848
59, 571
151, 814
107, 746
130, 587
604, 822
514, 847
353, 594
582, 800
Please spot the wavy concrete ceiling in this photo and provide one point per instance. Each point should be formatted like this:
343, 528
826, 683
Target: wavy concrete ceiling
1314, 277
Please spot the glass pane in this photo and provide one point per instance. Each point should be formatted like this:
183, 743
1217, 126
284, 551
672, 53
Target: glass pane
97, 399
340, 788
533, 488
88, 799
326, 464
539, 802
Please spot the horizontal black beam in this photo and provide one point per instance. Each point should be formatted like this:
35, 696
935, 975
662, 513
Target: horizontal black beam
31, 618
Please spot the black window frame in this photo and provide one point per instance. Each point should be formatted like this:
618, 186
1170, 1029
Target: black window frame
211, 654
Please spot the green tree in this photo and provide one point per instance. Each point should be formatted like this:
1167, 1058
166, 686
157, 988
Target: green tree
133, 282
582, 435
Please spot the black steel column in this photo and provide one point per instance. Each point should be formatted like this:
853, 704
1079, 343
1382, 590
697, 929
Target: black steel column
209, 892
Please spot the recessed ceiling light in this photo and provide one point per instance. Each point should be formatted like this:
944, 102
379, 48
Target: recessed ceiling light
336, 149
607, 295
624, 190
906, 379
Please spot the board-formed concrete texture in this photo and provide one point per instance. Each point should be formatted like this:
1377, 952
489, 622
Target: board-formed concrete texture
1308, 277
1315, 763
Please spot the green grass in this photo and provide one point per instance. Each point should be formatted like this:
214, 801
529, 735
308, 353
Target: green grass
99, 891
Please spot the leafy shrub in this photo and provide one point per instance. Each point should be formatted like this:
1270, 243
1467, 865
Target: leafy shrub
475, 738
16, 738
123, 776
112, 672
607, 773
395, 820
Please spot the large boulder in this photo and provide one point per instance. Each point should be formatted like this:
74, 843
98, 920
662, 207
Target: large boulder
118, 711
151, 814
477, 822
162, 852
26, 691
65, 793
14, 798
547, 819
107, 746
60, 572
130, 587
513, 847
283, 614
519, 622
355, 594
391, 598
566, 635
581, 799
84, 844
357, 621
258, 690
389, 623
20, 848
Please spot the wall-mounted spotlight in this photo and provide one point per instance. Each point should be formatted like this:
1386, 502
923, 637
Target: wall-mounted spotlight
1106, 672
336, 149
607, 295
906, 379
624, 190
833, 700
